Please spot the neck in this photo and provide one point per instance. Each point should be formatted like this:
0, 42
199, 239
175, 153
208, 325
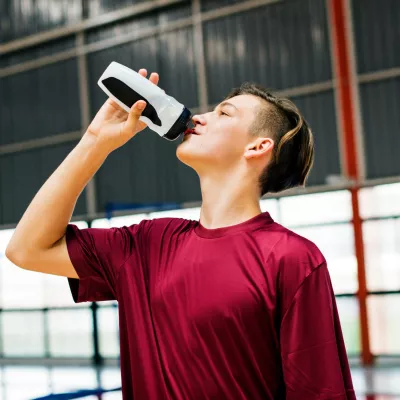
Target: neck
227, 201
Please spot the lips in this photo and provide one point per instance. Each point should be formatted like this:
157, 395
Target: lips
190, 131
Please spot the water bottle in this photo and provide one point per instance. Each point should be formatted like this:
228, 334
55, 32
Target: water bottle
163, 114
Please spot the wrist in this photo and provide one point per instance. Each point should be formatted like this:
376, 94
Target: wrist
92, 144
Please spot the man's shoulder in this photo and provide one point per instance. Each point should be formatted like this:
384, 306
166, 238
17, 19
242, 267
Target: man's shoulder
290, 247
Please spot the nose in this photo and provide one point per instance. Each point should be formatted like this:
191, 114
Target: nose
199, 119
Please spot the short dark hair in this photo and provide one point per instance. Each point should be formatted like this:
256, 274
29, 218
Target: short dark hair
293, 153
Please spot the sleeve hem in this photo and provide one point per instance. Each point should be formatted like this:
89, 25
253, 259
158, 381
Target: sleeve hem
74, 249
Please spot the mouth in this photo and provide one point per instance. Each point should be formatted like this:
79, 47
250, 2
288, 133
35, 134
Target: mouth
190, 131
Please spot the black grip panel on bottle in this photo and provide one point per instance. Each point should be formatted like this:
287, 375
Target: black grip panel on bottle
129, 97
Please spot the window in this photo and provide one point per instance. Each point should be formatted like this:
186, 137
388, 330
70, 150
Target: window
336, 243
382, 254
380, 201
127, 220
316, 208
69, 379
187, 213
107, 318
70, 333
20, 288
384, 323
350, 321
23, 334
35, 382
272, 206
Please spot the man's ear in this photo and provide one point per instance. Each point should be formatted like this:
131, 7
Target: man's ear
260, 147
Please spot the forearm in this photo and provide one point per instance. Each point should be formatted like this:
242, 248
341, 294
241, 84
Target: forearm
45, 220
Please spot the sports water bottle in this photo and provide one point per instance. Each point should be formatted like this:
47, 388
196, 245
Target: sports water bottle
163, 114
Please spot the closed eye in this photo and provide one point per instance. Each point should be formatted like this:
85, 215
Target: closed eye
222, 113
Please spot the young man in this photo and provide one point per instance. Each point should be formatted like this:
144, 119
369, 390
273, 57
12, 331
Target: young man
233, 306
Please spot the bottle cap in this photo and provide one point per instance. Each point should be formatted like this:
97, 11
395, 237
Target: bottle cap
179, 126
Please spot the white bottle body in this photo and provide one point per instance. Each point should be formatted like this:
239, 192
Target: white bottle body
168, 108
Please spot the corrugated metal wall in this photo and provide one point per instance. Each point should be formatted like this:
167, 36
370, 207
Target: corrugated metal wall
20, 18
377, 37
40, 102
22, 175
283, 45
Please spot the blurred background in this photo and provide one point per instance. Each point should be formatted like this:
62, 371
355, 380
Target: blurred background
338, 60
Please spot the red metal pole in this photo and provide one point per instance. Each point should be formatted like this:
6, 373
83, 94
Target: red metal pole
340, 35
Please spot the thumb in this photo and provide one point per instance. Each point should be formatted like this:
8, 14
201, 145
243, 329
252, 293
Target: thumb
135, 113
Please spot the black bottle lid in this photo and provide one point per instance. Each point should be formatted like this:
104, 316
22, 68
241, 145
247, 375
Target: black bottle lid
179, 126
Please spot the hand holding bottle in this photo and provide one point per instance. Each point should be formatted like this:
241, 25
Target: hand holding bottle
112, 126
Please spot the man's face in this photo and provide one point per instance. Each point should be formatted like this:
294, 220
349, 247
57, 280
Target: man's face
221, 136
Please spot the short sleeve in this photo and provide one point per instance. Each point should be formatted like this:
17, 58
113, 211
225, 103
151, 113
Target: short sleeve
314, 359
98, 255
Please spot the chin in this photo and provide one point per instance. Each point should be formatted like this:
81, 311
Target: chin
184, 153
190, 155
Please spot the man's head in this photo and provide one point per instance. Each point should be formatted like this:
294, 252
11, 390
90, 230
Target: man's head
252, 131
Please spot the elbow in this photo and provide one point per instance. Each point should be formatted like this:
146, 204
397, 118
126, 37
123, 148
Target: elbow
16, 256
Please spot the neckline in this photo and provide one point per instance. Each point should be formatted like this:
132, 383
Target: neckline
249, 225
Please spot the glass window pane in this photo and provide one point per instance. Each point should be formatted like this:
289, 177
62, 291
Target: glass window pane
35, 380
379, 201
57, 293
382, 254
112, 396
272, 206
350, 321
384, 323
108, 331
110, 377
80, 224
187, 213
336, 243
316, 208
20, 288
126, 220
23, 333
71, 333
69, 379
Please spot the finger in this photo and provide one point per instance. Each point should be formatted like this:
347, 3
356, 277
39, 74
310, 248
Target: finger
114, 104
143, 72
134, 115
154, 78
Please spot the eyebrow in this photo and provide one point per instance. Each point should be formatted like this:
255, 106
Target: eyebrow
226, 103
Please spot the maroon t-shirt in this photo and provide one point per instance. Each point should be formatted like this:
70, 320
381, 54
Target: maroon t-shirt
241, 312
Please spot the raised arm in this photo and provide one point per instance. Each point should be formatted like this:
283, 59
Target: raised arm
38, 243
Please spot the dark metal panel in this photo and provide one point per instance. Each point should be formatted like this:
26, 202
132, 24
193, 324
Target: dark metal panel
22, 175
120, 28
319, 111
140, 22
100, 7
35, 52
377, 34
207, 5
280, 45
381, 121
40, 102
146, 171
171, 55
21, 18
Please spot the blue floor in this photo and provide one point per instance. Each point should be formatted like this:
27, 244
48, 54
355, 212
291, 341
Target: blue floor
26, 383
